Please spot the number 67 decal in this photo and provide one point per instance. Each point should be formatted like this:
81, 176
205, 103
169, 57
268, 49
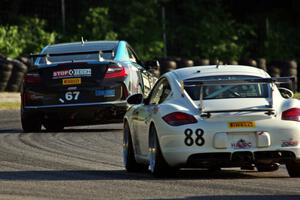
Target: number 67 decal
189, 139
72, 95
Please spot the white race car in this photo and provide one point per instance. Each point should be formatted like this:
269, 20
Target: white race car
214, 117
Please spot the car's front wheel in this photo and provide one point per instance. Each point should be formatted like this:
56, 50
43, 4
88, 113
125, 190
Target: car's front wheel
293, 169
157, 164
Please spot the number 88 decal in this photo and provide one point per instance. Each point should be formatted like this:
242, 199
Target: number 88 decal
190, 141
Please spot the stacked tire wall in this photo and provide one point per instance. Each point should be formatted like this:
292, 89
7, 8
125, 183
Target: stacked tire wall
12, 72
276, 68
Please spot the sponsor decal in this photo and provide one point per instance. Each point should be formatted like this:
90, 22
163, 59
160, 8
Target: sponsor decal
241, 144
289, 143
241, 125
106, 93
72, 73
71, 81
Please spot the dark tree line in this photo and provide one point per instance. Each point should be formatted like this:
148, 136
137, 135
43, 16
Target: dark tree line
224, 29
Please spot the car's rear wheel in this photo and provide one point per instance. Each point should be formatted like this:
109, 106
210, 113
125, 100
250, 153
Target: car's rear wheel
157, 164
293, 169
31, 124
128, 152
53, 125
267, 167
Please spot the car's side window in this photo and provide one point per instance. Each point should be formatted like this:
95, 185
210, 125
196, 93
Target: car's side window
160, 92
131, 56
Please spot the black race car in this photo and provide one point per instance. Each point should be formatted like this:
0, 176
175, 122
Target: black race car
81, 83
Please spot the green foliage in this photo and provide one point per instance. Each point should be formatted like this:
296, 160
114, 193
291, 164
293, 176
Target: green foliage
34, 35
10, 42
25, 39
280, 42
139, 23
195, 28
212, 34
96, 26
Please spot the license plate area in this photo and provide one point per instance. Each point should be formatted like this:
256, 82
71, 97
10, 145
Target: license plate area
241, 140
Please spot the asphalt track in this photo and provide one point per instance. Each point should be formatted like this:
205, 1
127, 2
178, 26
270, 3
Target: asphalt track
86, 163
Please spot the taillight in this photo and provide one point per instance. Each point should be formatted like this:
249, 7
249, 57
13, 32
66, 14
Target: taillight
179, 118
291, 114
115, 71
32, 78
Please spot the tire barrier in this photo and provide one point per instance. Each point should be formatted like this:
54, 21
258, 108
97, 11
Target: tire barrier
201, 61
233, 62
289, 68
216, 62
5, 73
262, 63
167, 65
16, 78
27, 61
248, 62
274, 69
181, 63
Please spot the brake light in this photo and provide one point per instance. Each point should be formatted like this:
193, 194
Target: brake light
179, 118
115, 71
292, 114
32, 78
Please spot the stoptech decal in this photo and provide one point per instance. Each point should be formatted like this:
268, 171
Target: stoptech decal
72, 73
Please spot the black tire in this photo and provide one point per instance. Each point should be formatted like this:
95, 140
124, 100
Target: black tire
267, 167
157, 164
18, 72
31, 124
293, 169
130, 163
53, 125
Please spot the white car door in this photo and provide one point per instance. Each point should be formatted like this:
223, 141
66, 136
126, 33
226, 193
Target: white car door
160, 92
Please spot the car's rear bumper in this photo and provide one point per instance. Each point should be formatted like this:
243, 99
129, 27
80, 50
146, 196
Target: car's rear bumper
231, 159
276, 141
81, 113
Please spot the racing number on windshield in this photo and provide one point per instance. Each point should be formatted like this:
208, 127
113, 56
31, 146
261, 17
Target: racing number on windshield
189, 139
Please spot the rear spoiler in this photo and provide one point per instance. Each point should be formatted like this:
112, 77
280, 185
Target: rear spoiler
195, 82
201, 83
100, 52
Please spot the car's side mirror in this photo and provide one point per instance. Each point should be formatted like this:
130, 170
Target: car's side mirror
152, 64
286, 93
135, 99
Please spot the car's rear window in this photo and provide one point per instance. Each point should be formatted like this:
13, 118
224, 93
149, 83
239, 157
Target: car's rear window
255, 90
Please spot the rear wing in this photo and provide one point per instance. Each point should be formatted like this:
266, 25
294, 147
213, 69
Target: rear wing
201, 83
48, 55
195, 82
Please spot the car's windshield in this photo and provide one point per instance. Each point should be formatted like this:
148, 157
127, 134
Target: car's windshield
223, 91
